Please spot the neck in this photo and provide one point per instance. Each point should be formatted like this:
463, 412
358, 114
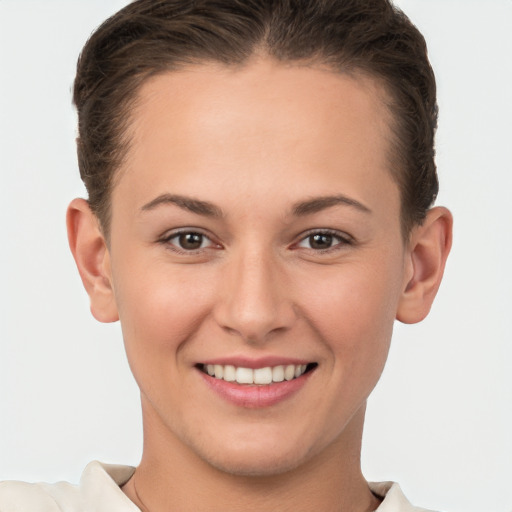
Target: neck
172, 478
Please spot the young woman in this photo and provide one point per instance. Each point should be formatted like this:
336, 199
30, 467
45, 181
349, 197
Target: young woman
261, 180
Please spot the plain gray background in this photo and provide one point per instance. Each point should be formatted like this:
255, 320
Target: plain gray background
439, 422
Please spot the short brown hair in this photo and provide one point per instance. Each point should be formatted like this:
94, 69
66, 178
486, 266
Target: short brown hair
149, 37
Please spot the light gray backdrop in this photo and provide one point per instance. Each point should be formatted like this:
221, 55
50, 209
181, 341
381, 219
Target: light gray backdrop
440, 421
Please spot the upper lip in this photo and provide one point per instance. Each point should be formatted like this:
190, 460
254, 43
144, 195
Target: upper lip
254, 363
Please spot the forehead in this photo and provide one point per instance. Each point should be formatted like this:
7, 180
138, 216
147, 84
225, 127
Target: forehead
261, 125
263, 93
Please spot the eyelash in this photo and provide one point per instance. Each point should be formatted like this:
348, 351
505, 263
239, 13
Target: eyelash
175, 235
342, 239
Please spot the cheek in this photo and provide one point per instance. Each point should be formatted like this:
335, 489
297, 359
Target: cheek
353, 309
160, 309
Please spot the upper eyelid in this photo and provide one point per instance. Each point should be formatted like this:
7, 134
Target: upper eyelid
180, 231
169, 237
326, 231
344, 242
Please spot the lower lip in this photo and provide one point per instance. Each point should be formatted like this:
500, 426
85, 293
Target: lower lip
250, 396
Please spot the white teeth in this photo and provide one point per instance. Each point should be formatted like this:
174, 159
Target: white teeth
258, 376
263, 375
229, 373
289, 372
219, 371
244, 376
278, 373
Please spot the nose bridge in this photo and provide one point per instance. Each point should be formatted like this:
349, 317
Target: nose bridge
254, 302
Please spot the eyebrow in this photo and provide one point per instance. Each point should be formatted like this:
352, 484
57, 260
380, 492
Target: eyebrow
208, 209
186, 203
318, 204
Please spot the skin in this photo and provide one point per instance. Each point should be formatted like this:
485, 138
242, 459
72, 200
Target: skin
258, 144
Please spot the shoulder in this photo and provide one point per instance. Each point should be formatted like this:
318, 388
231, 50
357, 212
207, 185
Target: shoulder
99, 490
393, 499
21, 496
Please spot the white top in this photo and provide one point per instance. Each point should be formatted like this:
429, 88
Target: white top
99, 491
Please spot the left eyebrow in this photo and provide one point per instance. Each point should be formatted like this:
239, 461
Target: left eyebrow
317, 204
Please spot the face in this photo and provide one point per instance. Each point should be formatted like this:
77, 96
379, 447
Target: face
256, 260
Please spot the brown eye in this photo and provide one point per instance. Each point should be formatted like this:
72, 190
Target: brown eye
325, 240
187, 241
320, 241
190, 241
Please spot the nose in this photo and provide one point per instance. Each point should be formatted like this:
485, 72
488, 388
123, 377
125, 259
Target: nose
254, 301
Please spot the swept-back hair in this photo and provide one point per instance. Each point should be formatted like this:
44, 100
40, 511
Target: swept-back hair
149, 37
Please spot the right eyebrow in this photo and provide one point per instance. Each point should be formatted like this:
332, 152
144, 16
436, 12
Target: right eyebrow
197, 206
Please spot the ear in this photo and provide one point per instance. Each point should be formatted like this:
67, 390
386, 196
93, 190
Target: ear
92, 258
428, 249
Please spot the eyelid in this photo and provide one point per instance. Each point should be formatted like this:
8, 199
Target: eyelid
168, 236
344, 239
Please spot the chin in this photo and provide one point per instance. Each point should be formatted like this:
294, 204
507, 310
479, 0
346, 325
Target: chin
255, 456
259, 465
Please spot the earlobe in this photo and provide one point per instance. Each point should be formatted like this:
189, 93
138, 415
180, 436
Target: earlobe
92, 258
428, 250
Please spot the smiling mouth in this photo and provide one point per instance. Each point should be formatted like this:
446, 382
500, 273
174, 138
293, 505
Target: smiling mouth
259, 376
